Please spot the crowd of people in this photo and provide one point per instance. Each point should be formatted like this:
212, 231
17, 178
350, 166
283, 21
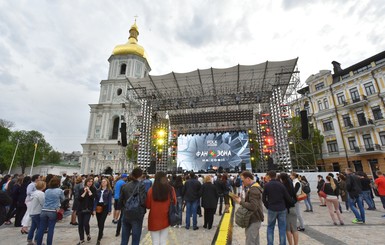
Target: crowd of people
35, 203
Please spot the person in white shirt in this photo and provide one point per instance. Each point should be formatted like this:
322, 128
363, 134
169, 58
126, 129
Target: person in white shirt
36, 204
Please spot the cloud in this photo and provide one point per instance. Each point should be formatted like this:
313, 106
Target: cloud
55, 53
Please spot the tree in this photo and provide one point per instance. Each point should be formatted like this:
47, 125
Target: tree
28, 141
53, 157
304, 152
6, 124
6, 147
132, 151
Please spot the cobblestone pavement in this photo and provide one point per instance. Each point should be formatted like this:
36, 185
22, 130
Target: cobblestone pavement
319, 230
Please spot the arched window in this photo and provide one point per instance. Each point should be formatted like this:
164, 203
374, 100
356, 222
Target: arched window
115, 129
326, 103
123, 68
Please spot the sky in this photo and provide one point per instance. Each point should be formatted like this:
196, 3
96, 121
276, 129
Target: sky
53, 54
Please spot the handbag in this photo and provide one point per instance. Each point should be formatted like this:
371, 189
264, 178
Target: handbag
301, 196
59, 214
242, 217
321, 193
99, 209
173, 214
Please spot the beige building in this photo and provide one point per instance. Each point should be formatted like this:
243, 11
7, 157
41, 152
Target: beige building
348, 107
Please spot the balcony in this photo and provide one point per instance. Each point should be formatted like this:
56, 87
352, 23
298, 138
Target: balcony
368, 149
362, 126
356, 102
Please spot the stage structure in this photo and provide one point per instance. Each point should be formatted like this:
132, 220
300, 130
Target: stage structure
213, 117
208, 102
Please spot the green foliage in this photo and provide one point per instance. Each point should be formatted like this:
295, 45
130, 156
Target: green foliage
6, 148
26, 148
304, 153
53, 157
132, 151
28, 140
254, 154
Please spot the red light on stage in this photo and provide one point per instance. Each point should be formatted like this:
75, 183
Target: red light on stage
265, 114
269, 141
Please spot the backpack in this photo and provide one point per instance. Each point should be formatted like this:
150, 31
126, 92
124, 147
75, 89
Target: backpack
133, 210
306, 187
238, 182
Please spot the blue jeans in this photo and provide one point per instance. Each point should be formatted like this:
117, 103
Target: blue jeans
308, 204
47, 220
191, 210
360, 216
367, 197
35, 221
179, 206
127, 227
272, 216
382, 198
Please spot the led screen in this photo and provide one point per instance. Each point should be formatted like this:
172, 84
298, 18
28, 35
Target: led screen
214, 150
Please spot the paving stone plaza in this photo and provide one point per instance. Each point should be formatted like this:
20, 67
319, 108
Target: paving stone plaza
319, 230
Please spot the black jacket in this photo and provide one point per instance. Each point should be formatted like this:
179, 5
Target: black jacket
86, 203
127, 190
221, 186
191, 190
275, 196
209, 195
5, 200
353, 185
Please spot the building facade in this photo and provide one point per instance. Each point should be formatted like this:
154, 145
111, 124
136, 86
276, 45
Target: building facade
117, 104
347, 106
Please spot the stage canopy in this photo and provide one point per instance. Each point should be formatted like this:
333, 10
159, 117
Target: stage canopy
237, 85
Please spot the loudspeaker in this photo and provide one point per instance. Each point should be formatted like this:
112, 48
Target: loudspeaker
123, 134
152, 168
304, 125
243, 166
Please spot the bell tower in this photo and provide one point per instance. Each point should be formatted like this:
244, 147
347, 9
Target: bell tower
116, 107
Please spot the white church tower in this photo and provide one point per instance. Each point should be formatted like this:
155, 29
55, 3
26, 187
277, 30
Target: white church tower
103, 147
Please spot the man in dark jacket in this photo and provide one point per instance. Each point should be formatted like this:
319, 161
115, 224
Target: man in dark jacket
5, 200
253, 202
354, 189
129, 225
191, 195
274, 197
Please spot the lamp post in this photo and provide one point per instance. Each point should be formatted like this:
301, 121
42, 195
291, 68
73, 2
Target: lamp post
14, 154
33, 159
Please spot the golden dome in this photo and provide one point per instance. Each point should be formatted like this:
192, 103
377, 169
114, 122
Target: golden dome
132, 46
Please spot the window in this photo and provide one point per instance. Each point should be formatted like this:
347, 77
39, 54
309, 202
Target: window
368, 142
319, 86
332, 146
377, 114
138, 69
341, 98
382, 137
355, 95
369, 88
336, 167
361, 119
328, 126
358, 165
326, 103
115, 129
123, 68
347, 121
352, 143
297, 112
320, 107
119, 91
